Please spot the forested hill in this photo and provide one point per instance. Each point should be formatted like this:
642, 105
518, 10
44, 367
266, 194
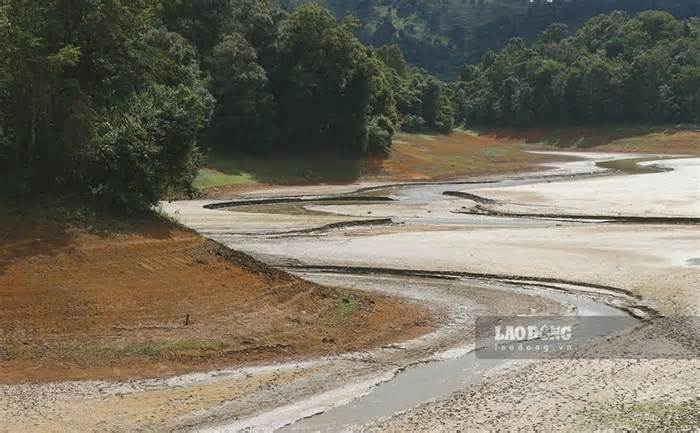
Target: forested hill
616, 68
116, 100
441, 35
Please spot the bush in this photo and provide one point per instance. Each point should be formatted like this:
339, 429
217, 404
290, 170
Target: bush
151, 149
380, 133
413, 123
111, 109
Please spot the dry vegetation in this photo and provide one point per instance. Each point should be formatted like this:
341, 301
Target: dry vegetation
433, 157
676, 142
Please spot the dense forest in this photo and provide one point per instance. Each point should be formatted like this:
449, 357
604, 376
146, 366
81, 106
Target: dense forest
114, 99
615, 68
117, 100
441, 35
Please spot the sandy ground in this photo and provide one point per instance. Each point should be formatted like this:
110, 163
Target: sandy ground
574, 396
228, 397
672, 194
652, 262
656, 261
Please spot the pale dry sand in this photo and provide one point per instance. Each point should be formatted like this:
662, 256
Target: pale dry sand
675, 193
650, 260
571, 396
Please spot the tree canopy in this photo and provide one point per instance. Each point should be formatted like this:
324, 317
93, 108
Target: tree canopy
116, 100
96, 99
441, 35
301, 81
617, 67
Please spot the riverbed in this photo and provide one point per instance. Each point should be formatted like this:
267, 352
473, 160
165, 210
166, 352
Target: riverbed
573, 238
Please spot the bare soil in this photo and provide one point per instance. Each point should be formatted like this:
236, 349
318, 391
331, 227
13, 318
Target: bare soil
672, 142
609, 138
418, 157
153, 299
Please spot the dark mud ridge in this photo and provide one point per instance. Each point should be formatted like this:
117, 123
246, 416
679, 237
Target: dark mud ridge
254, 202
468, 196
548, 177
628, 301
610, 219
318, 230
339, 225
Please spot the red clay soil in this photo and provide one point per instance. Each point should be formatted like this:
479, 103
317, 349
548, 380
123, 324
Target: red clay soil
155, 299
438, 157
499, 151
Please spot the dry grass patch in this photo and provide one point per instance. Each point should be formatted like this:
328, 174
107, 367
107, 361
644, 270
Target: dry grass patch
461, 153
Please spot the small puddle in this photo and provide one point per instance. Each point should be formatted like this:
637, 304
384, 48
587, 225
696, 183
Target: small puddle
695, 261
632, 165
433, 380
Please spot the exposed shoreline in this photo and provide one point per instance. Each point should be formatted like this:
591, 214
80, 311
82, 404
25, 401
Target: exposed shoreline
381, 260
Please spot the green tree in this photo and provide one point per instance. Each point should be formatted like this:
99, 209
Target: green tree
437, 110
203, 22
392, 57
73, 71
616, 67
150, 148
259, 22
245, 112
686, 88
553, 34
322, 84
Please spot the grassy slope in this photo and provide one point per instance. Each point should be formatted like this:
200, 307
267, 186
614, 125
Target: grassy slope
234, 170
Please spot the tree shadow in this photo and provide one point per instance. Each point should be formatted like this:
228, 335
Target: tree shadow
48, 228
580, 136
21, 239
286, 169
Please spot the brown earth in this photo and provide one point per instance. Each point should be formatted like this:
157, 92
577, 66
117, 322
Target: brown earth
80, 303
228, 191
498, 151
676, 142
437, 157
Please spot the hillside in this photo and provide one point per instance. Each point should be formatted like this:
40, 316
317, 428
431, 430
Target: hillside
441, 35
147, 298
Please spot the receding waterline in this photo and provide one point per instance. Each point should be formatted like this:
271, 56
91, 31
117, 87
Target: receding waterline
428, 381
